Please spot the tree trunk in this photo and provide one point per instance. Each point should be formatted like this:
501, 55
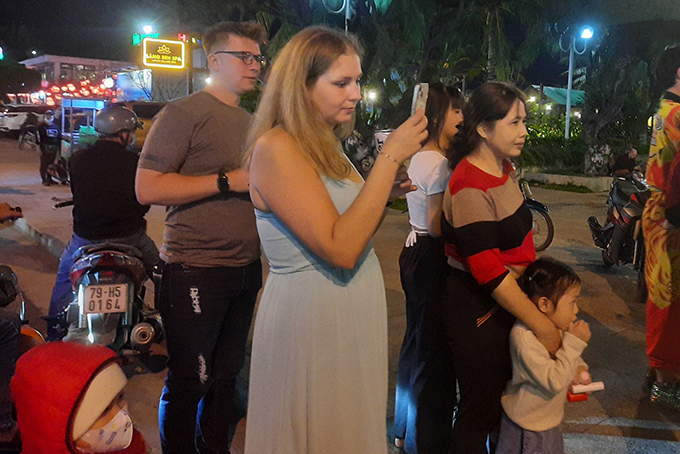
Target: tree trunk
597, 161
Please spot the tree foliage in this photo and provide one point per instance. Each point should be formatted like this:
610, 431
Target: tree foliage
621, 93
466, 42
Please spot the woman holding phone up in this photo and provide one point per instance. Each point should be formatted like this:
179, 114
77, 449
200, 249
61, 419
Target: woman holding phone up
488, 234
425, 398
318, 377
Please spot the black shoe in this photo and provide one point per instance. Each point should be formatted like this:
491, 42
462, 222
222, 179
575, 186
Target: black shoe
47, 183
666, 395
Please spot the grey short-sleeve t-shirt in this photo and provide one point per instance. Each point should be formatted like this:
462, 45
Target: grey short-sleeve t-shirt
200, 135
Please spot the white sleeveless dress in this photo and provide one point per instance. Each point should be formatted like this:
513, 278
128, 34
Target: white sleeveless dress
318, 376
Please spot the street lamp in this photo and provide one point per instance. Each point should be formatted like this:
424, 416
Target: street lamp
147, 29
586, 33
345, 9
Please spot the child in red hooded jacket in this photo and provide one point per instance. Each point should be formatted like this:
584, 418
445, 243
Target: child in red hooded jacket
69, 400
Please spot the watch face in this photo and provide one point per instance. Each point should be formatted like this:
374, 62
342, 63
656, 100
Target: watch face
223, 183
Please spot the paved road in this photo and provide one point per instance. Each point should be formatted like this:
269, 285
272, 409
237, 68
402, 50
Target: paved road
617, 420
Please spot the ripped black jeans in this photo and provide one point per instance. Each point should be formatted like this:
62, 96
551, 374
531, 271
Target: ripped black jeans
206, 313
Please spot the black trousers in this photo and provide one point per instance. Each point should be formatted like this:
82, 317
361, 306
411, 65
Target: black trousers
206, 313
426, 381
482, 358
48, 154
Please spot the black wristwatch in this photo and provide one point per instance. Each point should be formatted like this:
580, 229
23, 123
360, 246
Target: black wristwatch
223, 183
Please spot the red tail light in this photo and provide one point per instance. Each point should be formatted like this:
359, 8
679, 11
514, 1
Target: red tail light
76, 275
107, 260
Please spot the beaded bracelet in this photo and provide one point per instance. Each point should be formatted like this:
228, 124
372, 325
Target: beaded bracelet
390, 158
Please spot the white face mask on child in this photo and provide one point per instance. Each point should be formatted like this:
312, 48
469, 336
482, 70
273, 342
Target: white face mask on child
116, 435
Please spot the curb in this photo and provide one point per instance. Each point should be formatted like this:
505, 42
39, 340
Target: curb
596, 184
50, 243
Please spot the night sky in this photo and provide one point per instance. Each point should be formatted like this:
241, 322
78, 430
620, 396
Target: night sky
81, 28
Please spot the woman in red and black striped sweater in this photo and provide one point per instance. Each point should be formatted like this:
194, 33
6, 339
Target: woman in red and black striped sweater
487, 229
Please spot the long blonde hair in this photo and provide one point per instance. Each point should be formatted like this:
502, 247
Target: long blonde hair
286, 100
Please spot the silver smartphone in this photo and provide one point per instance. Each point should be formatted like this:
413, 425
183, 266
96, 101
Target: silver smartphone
420, 93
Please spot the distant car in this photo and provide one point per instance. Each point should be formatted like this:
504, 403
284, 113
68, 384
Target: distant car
146, 111
13, 116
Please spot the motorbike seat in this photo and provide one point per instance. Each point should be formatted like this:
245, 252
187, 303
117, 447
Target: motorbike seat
623, 190
98, 247
128, 259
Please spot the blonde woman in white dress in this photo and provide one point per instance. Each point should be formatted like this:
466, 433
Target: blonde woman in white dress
318, 377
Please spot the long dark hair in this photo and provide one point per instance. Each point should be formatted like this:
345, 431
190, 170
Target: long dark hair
489, 103
548, 278
439, 100
667, 66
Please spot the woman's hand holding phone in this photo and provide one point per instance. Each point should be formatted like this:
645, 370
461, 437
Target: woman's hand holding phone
407, 139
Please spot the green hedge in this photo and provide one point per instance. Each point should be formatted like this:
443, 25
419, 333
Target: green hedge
553, 154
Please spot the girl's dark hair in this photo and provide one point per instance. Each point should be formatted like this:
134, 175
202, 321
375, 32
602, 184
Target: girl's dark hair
667, 66
489, 103
549, 278
439, 100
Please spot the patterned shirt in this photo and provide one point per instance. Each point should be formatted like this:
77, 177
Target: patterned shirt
665, 142
486, 224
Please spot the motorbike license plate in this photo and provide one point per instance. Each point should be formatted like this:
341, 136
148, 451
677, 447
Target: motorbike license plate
105, 299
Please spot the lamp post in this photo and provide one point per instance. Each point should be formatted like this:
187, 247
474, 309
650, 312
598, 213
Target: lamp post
345, 9
586, 34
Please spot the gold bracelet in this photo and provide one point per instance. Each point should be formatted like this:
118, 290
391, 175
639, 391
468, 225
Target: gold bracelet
390, 158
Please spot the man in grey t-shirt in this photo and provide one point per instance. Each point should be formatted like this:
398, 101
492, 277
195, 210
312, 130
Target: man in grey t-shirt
191, 162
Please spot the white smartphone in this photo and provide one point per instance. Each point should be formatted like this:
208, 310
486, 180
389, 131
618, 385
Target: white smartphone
420, 93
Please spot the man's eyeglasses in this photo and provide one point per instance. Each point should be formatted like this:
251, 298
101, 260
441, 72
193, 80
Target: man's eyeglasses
246, 57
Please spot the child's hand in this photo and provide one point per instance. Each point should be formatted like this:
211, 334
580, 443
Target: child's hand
582, 377
580, 329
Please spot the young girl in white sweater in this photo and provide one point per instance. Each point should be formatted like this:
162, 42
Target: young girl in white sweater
533, 402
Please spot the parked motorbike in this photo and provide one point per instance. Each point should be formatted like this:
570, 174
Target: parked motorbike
58, 170
543, 227
621, 237
109, 308
9, 294
28, 136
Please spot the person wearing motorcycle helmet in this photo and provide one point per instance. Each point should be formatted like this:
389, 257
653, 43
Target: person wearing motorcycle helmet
10, 334
118, 122
49, 140
105, 207
70, 400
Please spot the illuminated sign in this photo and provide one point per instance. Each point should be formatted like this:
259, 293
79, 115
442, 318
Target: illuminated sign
163, 53
138, 38
182, 37
2, 54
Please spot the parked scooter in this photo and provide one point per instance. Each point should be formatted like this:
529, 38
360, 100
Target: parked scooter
109, 309
9, 293
58, 171
543, 228
621, 237
28, 136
